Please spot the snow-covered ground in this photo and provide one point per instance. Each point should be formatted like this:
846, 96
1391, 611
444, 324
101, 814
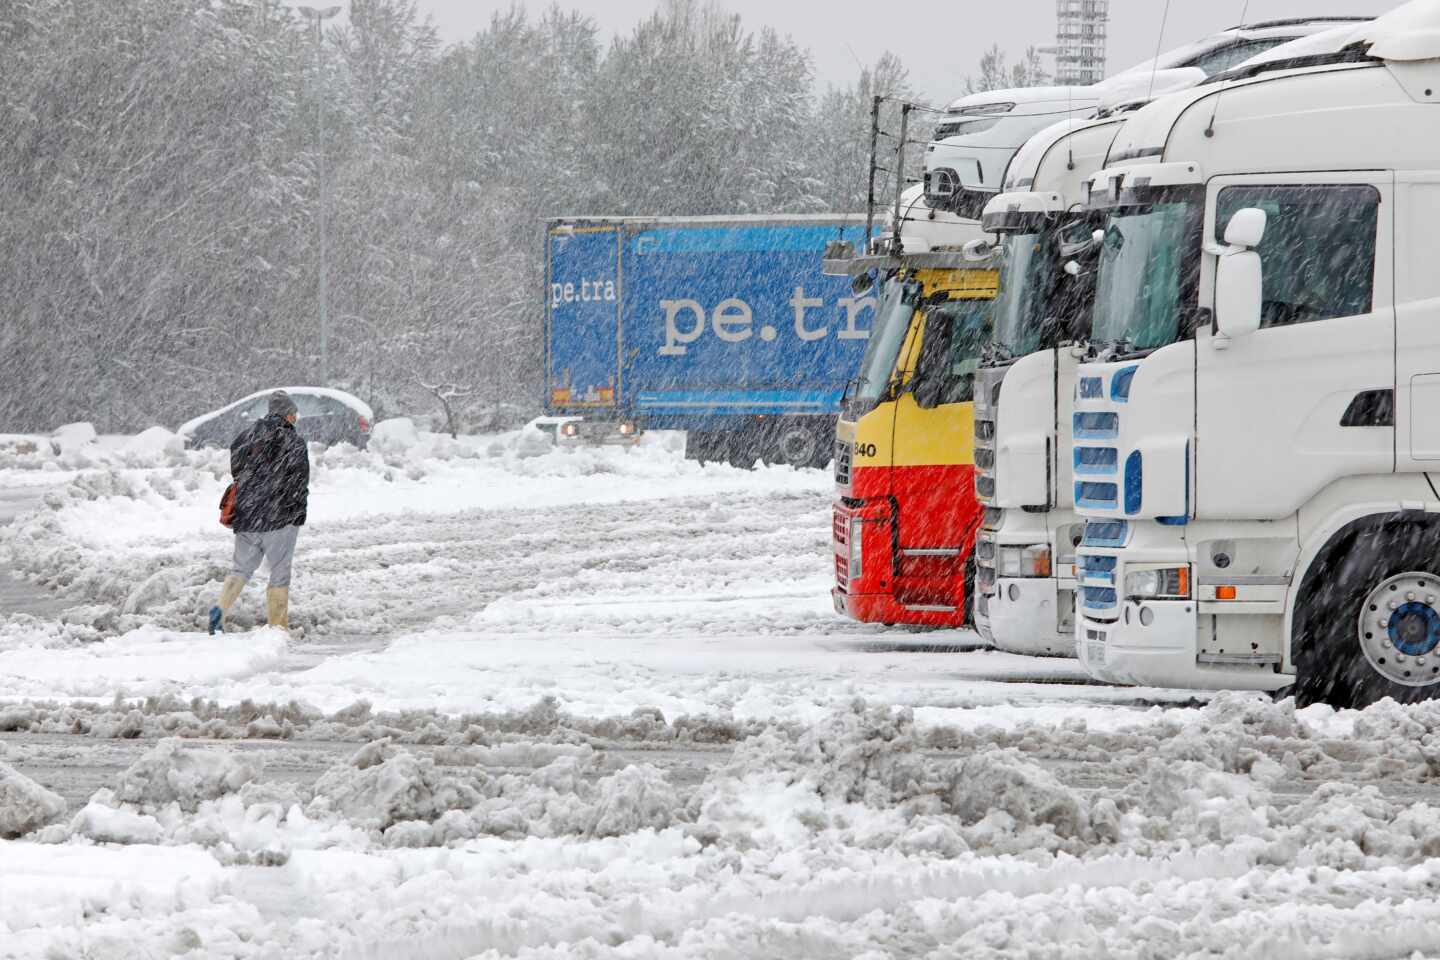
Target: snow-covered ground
595, 703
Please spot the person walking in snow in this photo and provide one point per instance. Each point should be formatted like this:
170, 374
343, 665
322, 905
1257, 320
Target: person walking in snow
270, 466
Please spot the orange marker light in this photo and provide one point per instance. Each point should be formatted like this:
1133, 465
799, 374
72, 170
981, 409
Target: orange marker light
1224, 593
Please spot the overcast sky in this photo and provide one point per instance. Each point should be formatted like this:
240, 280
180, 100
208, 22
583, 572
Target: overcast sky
941, 46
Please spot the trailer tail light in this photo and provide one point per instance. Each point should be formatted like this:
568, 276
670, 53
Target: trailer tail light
569, 429
364, 425
627, 429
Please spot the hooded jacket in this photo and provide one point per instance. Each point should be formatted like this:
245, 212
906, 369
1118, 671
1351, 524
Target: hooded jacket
271, 468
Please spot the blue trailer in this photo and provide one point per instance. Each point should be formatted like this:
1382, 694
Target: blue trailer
723, 327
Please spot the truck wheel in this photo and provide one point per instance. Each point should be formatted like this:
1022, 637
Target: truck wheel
797, 445
1367, 623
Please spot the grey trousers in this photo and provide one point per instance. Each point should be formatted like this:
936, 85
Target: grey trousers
276, 546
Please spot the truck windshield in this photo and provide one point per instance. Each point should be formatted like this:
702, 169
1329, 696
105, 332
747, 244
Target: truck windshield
892, 322
1040, 305
1026, 275
1149, 266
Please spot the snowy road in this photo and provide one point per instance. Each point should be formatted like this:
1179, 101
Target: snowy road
597, 705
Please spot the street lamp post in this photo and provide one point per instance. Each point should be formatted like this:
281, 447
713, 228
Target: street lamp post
317, 16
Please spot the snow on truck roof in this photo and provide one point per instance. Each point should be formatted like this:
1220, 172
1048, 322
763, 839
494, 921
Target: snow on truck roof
1405, 34
351, 401
1408, 33
1131, 78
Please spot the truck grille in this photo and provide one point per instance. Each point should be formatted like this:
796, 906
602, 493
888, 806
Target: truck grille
844, 453
984, 459
1102, 599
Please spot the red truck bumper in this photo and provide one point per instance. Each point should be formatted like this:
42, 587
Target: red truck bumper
921, 591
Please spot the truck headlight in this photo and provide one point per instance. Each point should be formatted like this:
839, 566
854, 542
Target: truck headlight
1031, 561
1166, 583
857, 540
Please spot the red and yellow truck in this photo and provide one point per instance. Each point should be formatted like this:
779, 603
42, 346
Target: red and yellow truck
905, 514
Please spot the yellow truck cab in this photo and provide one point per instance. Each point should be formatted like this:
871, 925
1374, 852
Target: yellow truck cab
905, 513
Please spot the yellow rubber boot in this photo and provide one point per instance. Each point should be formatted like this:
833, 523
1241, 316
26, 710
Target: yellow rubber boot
277, 607
228, 595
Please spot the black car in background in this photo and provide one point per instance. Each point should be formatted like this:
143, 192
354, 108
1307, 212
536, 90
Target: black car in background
325, 416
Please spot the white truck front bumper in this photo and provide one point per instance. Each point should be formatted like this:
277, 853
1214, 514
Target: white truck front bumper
1163, 652
1025, 616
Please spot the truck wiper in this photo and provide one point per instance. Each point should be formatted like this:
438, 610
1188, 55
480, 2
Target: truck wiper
995, 353
1110, 349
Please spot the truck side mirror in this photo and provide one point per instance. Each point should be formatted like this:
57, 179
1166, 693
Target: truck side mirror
1246, 228
1237, 294
1239, 276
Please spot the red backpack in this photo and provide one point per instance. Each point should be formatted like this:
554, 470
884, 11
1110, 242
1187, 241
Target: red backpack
227, 507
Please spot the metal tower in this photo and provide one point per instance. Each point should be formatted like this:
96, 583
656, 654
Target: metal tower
1080, 41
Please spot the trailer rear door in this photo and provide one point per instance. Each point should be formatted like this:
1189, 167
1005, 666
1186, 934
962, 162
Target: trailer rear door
582, 317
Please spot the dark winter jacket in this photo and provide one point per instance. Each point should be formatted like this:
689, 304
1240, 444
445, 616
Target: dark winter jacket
271, 469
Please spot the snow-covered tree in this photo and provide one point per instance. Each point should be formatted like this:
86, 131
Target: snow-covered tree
159, 231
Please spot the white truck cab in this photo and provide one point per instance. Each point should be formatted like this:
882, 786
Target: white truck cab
1255, 424
1025, 552
1024, 472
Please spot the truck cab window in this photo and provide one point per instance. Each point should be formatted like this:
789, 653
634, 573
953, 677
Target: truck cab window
898, 301
955, 333
1223, 58
1318, 253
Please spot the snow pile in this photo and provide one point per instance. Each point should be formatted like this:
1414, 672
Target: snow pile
857, 835
183, 775
152, 446
381, 788
82, 624
72, 437
76, 450
145, 661
24, 804
394, 437
636, 798
401, 444
410, 801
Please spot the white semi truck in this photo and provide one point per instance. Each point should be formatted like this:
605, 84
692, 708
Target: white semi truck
1258, 418
1024, 470
1025, 552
